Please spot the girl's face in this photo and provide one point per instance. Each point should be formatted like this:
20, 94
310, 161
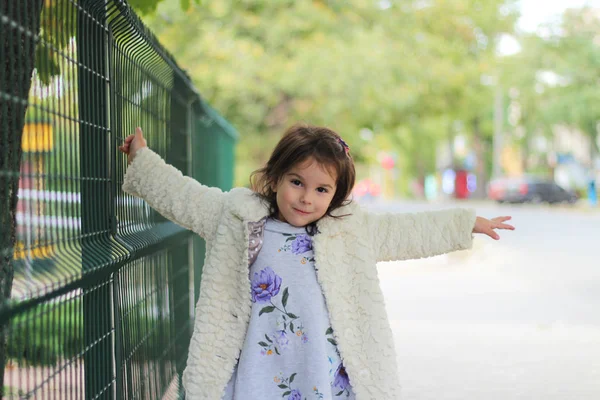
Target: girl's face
304, 193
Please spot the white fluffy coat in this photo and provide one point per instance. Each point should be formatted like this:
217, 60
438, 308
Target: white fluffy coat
347, 250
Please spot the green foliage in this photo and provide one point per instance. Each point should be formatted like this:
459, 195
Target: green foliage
58, 24
349, 65
58, 28
557, 76
52, 333
49, 333
145, 7
11, 392
575, 58
408, 71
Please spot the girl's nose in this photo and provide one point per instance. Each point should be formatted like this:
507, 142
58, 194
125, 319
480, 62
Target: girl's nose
304, 198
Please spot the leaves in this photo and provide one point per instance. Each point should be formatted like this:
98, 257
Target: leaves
556, 75
349, 65
266, 310
285, 297
185, 4
58, 23
46, 64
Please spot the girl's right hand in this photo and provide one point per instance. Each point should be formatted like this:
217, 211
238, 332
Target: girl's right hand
132, 144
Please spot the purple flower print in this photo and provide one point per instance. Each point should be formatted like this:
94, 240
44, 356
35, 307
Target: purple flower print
301, 244
281, 339
265, 285
295, 395
341, 378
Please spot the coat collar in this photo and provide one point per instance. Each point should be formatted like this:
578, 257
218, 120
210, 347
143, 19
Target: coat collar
246, 205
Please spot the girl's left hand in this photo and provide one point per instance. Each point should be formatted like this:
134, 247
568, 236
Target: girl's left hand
487, 226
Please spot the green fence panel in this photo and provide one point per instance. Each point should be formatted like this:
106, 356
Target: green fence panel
212, 144
97, 290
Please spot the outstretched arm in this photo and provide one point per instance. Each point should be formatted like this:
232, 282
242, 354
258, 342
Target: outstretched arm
410, 236
179, 198
404, 236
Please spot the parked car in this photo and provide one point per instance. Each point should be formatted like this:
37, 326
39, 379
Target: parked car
529, 190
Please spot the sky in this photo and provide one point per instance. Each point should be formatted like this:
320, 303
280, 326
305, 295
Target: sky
537, 12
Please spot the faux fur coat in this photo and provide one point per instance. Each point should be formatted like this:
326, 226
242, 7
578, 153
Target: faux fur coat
346, 250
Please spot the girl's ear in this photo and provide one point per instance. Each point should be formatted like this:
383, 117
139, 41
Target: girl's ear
274, 185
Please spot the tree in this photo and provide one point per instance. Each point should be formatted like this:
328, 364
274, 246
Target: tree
457, 42
404, 70
20, 53
520, 74
556, 75
574, 57
17, 53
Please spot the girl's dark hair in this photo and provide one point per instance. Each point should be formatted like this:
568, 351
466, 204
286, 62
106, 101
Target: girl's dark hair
299, 143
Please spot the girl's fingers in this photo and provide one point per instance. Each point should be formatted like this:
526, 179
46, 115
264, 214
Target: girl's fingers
504, 226
493, 234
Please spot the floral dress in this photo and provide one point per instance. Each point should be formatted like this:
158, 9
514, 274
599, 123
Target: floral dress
289, 352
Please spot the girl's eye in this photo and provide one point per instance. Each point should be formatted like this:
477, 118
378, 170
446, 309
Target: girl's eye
296, 182
322, 190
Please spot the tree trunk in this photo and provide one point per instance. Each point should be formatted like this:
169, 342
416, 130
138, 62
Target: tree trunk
478, 145
450, 139
525, 150
17, 58
594, 146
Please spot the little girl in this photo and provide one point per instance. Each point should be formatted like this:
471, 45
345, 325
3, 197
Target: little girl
290, 305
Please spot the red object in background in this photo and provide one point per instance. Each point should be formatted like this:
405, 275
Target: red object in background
523, 188
387, 162
460, 185
367, 187
496, 189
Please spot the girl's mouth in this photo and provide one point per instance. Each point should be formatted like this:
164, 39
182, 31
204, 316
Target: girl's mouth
301, 212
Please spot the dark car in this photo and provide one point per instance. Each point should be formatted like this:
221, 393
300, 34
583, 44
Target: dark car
528, 190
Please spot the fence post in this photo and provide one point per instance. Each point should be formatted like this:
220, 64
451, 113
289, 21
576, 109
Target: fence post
95, 201
178, 157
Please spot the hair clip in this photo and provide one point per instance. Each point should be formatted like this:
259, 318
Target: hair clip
344, 145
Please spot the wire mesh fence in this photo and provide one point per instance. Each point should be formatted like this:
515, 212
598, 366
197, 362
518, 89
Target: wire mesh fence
96, 289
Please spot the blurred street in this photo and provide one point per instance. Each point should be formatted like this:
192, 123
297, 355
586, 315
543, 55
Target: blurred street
517, 318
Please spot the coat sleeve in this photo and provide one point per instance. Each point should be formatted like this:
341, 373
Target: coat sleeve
179, 198
397, 236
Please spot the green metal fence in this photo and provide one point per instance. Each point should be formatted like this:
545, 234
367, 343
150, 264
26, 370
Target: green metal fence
97, 290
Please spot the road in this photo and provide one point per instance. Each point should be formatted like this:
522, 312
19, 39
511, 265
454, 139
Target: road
517, 318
